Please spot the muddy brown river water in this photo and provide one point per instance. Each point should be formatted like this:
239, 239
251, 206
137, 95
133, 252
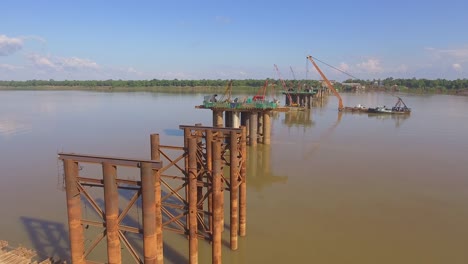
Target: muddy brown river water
355, 189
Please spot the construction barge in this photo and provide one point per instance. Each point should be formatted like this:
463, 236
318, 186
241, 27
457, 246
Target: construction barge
400, 108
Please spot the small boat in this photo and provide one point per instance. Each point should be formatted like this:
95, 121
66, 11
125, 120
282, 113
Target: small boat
380, 109
399, 108
358, 108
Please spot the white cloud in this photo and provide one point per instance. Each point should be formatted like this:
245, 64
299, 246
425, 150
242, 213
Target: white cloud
344, 66
76, 63
370, 66
61, 63
457, 67
41, 61
9, 46
458, 54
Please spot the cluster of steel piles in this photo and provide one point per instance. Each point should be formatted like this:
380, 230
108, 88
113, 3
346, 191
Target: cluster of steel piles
182, 193
299, 99
256, 121
109, 216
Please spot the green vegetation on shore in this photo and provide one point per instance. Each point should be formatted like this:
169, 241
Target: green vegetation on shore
149, 83
249, 86
459, 86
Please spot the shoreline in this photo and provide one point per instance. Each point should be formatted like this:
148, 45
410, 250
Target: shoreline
165, 89
206, 89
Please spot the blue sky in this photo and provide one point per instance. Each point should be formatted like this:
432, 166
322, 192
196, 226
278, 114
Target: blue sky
231, 39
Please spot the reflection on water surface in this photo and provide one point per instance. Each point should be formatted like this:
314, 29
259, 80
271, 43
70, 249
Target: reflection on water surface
350, 188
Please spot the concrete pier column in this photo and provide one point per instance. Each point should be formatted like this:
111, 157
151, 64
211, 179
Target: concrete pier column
111, 201
217, 118
260, 127
236, 119
243, 115
245, 121
74, 212
267, 127
253, 128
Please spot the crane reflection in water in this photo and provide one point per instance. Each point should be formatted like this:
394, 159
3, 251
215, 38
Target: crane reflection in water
327, 133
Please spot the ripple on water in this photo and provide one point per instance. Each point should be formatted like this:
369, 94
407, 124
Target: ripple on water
13, 127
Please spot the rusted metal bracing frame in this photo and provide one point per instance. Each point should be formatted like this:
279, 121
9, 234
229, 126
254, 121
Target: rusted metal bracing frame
185, 196
116, 161
172, 180
111, 220
232, 153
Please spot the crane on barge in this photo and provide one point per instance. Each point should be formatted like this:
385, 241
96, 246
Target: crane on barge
328, 83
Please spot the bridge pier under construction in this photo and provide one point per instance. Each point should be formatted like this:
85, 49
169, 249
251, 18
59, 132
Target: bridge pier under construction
257, 123
299, 98
181, 189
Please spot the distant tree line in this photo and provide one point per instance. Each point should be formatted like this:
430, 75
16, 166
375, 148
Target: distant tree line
421, 84
155, 83
418, 84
